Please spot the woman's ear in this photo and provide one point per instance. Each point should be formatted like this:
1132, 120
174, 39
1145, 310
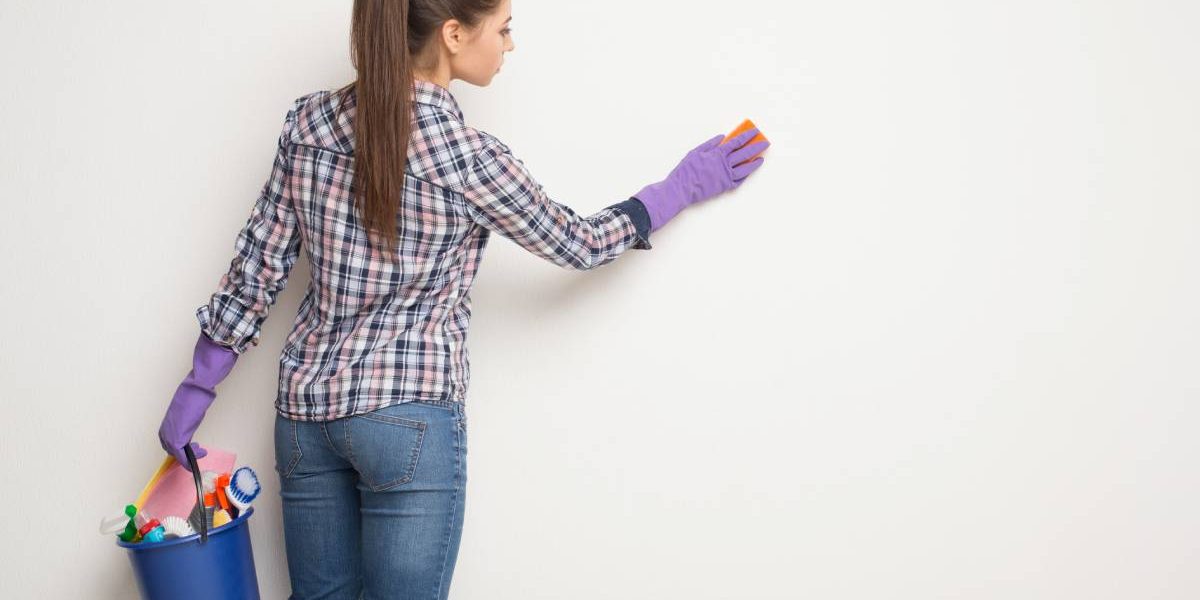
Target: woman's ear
454, 35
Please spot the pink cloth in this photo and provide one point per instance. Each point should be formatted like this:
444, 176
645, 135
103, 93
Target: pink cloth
175, 493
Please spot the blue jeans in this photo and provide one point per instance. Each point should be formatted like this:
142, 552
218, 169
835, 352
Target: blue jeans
373, 503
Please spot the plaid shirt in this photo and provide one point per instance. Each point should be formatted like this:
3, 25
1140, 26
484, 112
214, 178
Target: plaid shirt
372, 332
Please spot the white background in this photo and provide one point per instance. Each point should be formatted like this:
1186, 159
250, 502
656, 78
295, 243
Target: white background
942, 345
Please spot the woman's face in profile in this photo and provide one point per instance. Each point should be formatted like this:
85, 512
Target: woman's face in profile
483, 54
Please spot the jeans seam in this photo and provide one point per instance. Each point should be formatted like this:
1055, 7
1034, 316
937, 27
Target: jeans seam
349, 445
392, 420
296, 444
448, 404
453, 516
332, 447
412, 465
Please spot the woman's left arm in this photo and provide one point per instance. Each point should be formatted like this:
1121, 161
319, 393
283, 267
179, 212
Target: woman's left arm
267, 247
265, 251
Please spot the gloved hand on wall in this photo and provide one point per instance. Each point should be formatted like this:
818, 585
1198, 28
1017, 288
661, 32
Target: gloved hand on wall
707, 170
211, 362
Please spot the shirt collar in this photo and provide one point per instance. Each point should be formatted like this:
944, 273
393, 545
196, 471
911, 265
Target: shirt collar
430, 93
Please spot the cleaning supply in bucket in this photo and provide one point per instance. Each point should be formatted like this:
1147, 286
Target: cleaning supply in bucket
202, 514
112, 525
220, 517
243, 488
210, 481
176, 527
130, 533
152, 532
222, 497
117, 524
153, 483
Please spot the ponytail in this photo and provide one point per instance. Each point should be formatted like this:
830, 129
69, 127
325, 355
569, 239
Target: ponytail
383, 89
388, 38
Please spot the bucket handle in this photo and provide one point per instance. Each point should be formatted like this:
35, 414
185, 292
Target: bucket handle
191, 456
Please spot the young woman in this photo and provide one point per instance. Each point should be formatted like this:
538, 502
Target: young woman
394, 196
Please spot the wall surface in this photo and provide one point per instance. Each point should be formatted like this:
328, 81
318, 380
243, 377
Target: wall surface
942, 345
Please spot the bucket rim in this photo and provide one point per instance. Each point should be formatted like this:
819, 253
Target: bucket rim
230, 526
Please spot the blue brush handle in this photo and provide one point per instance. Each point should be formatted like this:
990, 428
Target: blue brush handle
191, 456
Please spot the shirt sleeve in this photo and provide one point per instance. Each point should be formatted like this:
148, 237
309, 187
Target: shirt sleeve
641, 220
264, 252
502, 196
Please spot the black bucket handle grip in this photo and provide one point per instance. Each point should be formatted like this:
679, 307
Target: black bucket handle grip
191, 456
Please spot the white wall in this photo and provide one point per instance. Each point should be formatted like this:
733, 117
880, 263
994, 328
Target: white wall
942, 345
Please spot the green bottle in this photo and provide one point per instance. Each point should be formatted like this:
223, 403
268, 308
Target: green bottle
131, 531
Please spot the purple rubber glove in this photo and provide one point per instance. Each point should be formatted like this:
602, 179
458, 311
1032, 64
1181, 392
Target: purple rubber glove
705, 172
211, 362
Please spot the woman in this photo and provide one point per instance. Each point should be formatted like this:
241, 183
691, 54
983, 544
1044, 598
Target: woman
394, 197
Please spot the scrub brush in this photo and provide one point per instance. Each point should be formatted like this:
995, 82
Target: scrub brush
243, 488
174, 526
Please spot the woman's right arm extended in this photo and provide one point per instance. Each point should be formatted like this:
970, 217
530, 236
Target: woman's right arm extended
502, 196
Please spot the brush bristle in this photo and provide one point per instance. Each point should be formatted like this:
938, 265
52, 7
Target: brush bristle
209, 478
176, 526
243, 488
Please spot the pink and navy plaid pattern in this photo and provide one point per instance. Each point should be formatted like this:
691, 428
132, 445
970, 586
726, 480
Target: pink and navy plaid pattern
373, 332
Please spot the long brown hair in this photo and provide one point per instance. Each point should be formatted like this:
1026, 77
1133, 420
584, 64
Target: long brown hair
389, 40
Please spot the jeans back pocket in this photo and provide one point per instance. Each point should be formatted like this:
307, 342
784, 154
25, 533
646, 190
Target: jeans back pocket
384, 448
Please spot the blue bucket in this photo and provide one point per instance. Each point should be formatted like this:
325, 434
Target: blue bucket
216, 565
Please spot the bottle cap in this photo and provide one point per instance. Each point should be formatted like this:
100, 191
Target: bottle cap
151, 524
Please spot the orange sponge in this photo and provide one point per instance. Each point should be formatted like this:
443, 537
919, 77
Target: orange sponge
746, 126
